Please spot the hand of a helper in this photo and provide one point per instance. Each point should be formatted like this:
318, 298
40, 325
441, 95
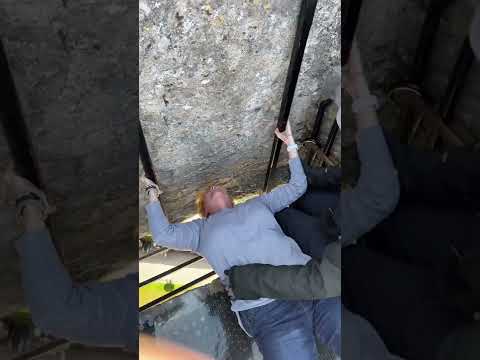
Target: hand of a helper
285, 136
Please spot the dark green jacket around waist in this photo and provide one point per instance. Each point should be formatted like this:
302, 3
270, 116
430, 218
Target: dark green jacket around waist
318, 279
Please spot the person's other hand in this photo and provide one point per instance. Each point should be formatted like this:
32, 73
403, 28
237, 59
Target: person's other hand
353, 77
15, 187
152, 189
285, 136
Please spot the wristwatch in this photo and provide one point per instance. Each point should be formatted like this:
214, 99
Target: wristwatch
367, 102
292, 147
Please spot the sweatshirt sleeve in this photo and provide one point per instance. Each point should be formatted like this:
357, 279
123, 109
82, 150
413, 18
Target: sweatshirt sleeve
173, 236
318, 279
378, 189
283, 196
98, 314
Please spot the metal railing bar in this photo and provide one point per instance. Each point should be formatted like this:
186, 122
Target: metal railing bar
176, 291
170, 271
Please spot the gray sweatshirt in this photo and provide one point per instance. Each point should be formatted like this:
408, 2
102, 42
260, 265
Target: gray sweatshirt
245, 234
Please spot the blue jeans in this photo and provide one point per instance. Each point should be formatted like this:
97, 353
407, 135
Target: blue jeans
286, 330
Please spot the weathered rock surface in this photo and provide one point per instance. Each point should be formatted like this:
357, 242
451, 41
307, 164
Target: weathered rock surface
75, 67
9, 274
212, 75
388, 33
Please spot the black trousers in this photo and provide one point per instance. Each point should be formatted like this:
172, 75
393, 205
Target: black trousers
404, 276
308, 221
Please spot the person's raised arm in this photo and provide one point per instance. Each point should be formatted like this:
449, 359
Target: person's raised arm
173, 236
100, 314
283, 196
377, 191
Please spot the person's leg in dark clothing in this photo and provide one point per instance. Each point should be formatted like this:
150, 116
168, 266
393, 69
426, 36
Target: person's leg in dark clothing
449, 179
428, 236
307, 231
309, 221
404, 303
316, 201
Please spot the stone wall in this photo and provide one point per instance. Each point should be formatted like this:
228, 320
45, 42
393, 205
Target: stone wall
388, 34
75, 67
212, 75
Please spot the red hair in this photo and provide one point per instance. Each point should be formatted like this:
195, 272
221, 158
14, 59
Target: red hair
200, 202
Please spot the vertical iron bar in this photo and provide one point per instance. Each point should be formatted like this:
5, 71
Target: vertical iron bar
350, 15
16, 131
145, 156
322, 109
304, 23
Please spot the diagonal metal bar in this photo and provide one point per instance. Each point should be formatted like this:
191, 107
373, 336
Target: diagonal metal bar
457, 81
176, 291
55, 345
315, 137
304, 23
170, 271
332, 135
331, 139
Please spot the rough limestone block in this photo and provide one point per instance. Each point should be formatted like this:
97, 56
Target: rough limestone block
76, 76
212, 75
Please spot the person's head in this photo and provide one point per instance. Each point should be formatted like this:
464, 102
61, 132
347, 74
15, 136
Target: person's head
211, 201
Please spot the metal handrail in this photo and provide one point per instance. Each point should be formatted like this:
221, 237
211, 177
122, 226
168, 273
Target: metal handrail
350, 16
